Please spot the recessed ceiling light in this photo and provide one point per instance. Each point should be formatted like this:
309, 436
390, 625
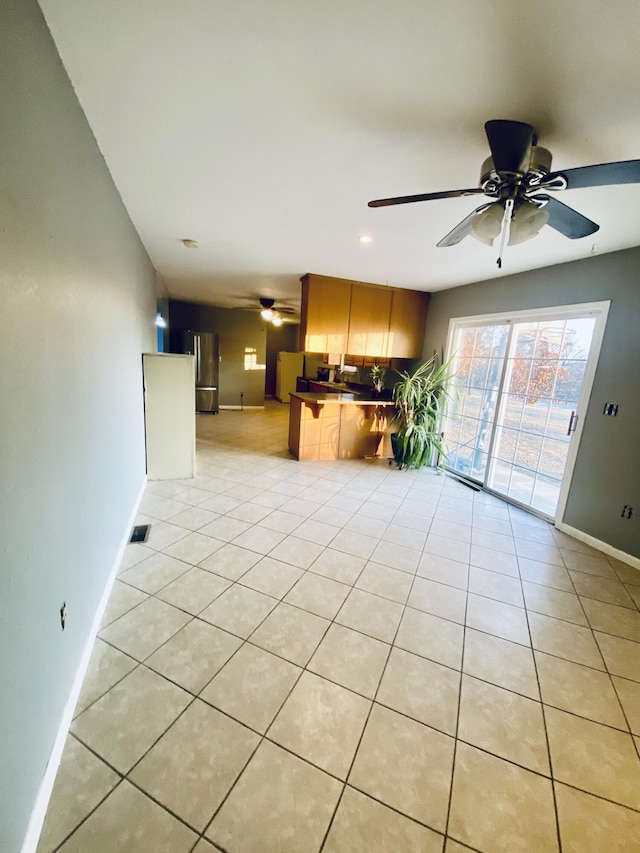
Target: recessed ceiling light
190, 244
365, 238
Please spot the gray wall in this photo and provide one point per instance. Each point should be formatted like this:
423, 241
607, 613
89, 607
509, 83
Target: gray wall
607, 470
238, 330
78, 307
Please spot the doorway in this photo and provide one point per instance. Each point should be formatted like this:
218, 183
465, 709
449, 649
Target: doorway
523, 381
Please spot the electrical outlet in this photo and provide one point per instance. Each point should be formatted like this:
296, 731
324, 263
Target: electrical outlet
627, 511
63, 615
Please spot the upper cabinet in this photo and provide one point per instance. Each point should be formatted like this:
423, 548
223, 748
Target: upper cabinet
343, 316
324, 314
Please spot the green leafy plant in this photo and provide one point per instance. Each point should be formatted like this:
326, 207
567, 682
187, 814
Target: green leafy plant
377, 377
419, 398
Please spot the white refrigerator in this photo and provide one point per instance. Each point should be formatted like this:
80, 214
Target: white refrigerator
290, 366
169, 415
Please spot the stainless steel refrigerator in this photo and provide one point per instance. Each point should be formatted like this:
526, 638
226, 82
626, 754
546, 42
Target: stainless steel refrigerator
205, 346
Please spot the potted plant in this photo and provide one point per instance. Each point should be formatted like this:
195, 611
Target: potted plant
419, 397
377, 378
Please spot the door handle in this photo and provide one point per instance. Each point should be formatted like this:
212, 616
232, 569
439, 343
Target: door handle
573, 421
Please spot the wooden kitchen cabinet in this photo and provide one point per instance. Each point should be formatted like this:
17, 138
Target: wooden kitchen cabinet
369, 320
408, 319
361, 320
324, 314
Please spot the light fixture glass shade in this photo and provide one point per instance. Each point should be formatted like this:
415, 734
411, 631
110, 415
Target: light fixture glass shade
276, 319
487, 225
266, 314
161, 323
528, 219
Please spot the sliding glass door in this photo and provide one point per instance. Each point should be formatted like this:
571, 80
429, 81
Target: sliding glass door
521, 391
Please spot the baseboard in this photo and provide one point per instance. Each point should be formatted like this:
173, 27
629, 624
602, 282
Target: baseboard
241, 408
601, 546
44, 794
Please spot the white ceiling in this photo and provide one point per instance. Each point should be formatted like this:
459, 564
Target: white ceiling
261, 128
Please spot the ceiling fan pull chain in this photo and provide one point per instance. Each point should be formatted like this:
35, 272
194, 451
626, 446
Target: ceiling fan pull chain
506, 226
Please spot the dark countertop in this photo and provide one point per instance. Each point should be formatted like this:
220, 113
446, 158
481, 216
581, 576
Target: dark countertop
363, 392
340, 398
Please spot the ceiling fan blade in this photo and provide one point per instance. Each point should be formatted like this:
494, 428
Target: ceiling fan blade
407, 199
510, 143
566, 220
604, 174
463, 228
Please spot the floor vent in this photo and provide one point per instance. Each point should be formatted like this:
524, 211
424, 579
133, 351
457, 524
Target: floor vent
140, 533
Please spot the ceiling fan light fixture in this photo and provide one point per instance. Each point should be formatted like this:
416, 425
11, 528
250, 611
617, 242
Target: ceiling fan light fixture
527, 221
276, 319
487, 225
266, 314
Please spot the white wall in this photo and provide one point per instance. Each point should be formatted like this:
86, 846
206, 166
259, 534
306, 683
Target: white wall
76, 312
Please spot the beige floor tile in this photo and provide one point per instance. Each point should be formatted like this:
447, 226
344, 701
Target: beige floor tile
296, 551
351, 659
396, 556
194, 590
591, 825
622, 657
503, 723
460, 531
224, 528
432, 637
500, 662
291, 633
338, 566
251, 512
135, 553
495, 585
123, 598
362, 824
592, 564
125, 722
230, 562
493, 560
499, 807
160, 508
375, 616
386, 582
565, 640
221, 503
352, 542
272, 577
193, 656
283, 522
602, 589
318, 595
192, 767
145, 628
259, 539
442, 546
594, 758
452, 846
193, 548
421, 689
155, 572
417, 786
252, 686
322, 723
418, 521
128, 820
544, 574
627, 574
495, 541
634, 592
438, 599
579, 689
239, 610
195, 517
613, 620
400, 535
82, 781
533, 533
554, 602
106, 667
280, 803
495, 617
443, 570
629, 695
163, 534
204, 846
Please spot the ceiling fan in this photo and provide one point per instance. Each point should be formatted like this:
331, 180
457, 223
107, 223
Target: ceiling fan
268, 309
518, 177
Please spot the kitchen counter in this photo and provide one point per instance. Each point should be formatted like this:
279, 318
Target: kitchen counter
339, 426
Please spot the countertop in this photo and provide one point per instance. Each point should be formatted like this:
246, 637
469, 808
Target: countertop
340, 398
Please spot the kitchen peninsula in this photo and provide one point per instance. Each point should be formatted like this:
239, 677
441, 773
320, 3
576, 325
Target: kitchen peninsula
339, 426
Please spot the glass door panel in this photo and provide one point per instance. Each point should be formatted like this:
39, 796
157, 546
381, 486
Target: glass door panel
519, 386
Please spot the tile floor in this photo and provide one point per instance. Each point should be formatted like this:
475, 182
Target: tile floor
343, 657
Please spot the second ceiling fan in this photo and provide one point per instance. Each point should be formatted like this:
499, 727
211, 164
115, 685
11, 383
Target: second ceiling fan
518, 178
